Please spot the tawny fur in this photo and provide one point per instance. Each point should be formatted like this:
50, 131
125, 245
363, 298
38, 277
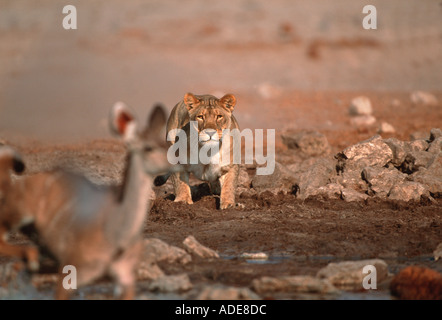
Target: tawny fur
213, 114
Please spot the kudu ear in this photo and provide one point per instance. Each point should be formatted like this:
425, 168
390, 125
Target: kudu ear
157, 120
122, 121
11, 159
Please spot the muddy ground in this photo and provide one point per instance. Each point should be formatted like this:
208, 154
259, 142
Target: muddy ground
292, 66
299, 236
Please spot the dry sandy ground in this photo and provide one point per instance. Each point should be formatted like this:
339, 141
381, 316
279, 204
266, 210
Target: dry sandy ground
291, 65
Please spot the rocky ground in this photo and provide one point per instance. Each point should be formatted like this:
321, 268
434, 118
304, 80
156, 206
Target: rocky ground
304, 232
357, 114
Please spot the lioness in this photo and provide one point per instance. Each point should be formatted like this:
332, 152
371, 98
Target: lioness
212, 116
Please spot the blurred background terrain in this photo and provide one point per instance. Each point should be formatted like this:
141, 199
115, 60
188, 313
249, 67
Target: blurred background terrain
292, 64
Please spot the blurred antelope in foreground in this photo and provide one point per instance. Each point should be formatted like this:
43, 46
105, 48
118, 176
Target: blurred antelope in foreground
95, 229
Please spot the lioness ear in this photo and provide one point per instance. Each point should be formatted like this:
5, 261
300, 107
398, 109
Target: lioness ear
190, 101
228, 102
122, 121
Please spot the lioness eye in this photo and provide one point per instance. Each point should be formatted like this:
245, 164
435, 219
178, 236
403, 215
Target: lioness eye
201, 117
219, 116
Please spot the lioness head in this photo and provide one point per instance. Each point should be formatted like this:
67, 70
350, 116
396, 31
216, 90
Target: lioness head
213, 115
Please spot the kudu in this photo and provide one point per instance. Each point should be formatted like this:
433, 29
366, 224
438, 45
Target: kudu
98, 230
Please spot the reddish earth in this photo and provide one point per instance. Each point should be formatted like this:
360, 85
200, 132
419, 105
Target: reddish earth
292, 65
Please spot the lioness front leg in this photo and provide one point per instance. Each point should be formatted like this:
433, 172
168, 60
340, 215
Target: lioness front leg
228, 183
181, 186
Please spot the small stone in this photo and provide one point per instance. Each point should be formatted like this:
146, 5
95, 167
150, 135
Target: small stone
351, 179
430, 177
438, 252
435, 146
156, 250
360, 106
254, 256
350, 195
380, 180
362, 121
416, 160
268, 91
435, 133
194, 247
330, 191
423, 98
309, 143
395, 103
371, 152
317, 174
407, 191
221, 292
386, 128
171, 283
419, 135
282, 179
300, 284
399, 149
349, 274
418, 145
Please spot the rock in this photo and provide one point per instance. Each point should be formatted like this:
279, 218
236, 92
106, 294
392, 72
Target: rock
309, 143
431, 177
282, 179
435, 146
419, 135
268, 91
386, 128
171, 283
380, 180
330, 191
423, 98
394, 103
301, 284
254, 256
148, 271
362, 121
407, 191
351, 179
360, 106
435, 133
438, 252
399, 149
417, 283
220, 292
418, 145
349, 275
351, 195
194, 247
415, 160
318, 174
156, 250
371, 152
